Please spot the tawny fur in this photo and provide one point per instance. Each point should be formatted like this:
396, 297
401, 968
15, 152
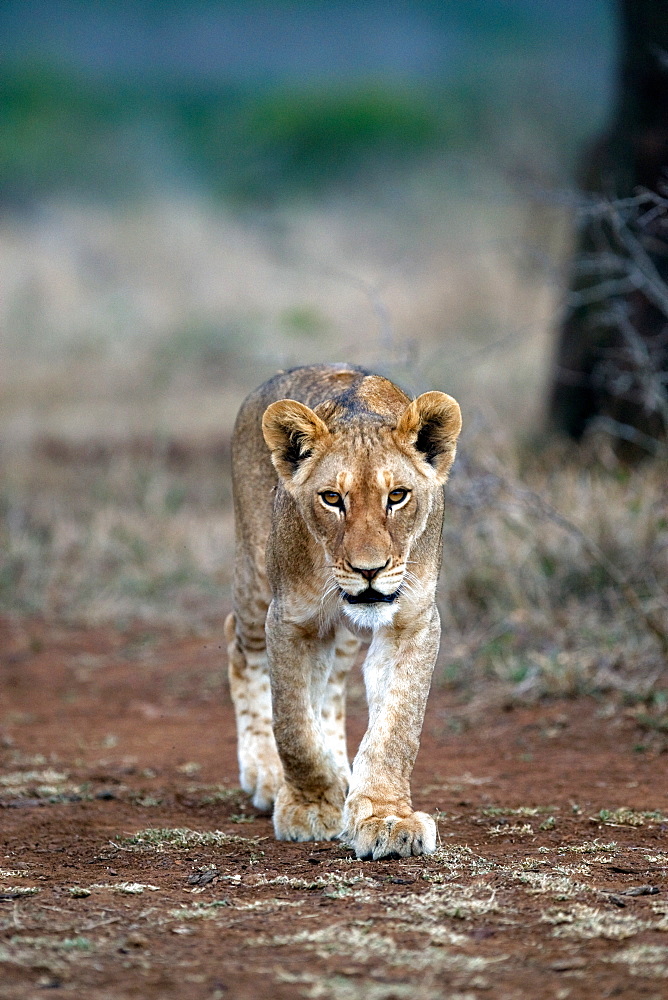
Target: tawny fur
302, 440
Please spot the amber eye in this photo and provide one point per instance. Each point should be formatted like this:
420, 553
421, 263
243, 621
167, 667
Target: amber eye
396, 496
332, 498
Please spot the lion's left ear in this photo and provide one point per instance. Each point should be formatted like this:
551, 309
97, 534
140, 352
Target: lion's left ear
431, 424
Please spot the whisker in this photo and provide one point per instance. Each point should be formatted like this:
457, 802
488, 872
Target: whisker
325, 608
412, 585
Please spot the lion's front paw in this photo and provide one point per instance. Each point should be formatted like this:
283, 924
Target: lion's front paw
298, 818
386, 836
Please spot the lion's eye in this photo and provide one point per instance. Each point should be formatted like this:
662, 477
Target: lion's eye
332, 498
397, 496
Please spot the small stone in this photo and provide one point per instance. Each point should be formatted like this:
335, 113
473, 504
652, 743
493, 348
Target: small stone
202, 878
640, 890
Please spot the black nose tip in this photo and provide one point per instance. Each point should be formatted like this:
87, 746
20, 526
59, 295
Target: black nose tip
368, 574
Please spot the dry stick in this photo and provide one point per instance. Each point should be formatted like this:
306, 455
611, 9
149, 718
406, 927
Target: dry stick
646, 276
528, 498
101, 923
634, 271
651, 383
626, 432
598, 293
651, 378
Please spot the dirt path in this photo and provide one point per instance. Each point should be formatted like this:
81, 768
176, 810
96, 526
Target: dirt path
131, 865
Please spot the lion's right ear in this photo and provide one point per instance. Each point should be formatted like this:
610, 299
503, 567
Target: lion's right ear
291, 431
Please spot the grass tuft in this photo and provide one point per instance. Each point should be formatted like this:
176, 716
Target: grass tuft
181, 837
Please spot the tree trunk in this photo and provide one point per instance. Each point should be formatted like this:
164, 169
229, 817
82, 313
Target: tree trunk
612, 352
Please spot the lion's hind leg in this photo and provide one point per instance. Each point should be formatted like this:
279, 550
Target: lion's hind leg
260, 770
333, 712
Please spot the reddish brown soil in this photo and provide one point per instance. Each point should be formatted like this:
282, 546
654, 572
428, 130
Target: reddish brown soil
140, 724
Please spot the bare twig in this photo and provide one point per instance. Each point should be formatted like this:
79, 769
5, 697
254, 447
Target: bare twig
644, 274
101, 923
625, 432
656, 397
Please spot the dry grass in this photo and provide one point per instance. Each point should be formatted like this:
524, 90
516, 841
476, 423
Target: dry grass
133, 335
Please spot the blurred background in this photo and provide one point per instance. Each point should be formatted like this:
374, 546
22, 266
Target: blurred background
205, 191
196, 194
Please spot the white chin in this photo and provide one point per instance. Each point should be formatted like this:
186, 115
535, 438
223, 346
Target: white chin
369, 616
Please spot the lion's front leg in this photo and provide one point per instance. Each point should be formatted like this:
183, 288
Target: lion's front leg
378, 818
310, 801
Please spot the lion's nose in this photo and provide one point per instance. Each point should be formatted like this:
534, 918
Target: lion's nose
369, 574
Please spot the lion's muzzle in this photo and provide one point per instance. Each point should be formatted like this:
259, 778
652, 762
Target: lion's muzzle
370, 596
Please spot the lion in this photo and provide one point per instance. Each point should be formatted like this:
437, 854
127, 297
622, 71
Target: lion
338, 504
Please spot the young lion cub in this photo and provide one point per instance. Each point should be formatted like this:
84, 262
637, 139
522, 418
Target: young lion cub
338, 504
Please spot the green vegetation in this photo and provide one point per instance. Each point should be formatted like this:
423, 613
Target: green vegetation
67, 134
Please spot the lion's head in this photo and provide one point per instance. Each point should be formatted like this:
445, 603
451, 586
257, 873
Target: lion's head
365, 484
